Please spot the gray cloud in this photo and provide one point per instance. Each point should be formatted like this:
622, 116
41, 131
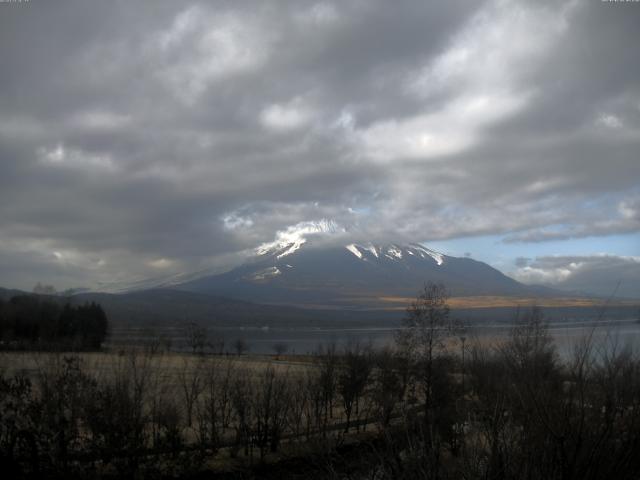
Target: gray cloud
140, 139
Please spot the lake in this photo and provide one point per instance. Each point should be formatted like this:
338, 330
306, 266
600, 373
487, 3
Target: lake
308, 340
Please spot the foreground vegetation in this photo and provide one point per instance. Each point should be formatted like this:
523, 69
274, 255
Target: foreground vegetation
438, 405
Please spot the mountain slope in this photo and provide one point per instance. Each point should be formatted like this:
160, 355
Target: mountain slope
351, 276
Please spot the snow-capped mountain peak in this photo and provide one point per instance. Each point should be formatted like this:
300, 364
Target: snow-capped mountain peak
293, 237
304, 267
394, 252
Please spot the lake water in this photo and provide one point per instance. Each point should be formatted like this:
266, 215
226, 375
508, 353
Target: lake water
307, 340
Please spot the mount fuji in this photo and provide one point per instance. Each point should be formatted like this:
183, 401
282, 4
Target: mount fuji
313, 273
295, 271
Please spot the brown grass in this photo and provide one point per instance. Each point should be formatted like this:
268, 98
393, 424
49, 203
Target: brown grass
168, 365
499, 301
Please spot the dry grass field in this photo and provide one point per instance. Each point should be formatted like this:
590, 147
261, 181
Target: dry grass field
499, 301
170, 367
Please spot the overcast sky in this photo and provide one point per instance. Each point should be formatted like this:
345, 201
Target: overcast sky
139, 139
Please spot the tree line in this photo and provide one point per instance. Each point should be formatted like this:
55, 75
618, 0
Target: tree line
33, 321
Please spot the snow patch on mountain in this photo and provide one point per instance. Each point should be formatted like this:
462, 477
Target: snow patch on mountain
293, 237
354, 249
289, 249
265, 274
395, 252
437, 256
373, 250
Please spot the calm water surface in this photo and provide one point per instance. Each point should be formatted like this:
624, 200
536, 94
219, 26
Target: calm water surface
307, 340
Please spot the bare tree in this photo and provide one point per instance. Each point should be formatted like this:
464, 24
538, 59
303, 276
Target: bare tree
214, 412
530, 347
117, 416
313, 405
327, 381
353, 379
240, 346
241, 395
299, 403
191, 382
218, 345
196, 337
425, 324
280, 348
387, 389
421, 339
270, 409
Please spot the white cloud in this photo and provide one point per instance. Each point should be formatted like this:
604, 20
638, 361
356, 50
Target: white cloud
449, 130
185, 23
629, 209
601, 274
288, 116
234, 221
551, 276
203, 46
489, 54
482, 65
610, 121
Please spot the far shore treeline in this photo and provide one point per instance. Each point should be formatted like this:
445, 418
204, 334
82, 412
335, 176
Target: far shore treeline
33, 321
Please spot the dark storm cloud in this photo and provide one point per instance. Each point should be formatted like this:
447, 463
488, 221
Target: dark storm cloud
144, 138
